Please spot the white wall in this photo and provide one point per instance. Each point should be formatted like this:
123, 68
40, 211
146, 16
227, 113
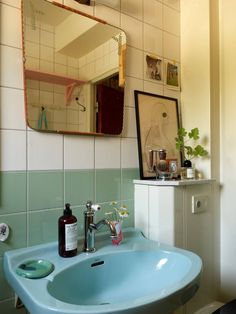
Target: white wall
228, 148
195, 71
208, 99
200, 108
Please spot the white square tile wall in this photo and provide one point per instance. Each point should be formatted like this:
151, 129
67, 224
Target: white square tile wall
133, 29
152, 13
11, 68
107, 153
12, 35
45, 151
133, 8
153, 40
129, 153
102, 59
151, 26
13, 150
171, 22
107, 14
78, 152
13, 115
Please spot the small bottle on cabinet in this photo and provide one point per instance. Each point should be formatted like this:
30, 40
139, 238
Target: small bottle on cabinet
67, 233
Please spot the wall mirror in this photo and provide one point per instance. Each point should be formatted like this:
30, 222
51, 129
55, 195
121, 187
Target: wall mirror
74, 70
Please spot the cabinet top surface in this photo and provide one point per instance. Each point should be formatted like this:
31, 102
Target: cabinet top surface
173, 182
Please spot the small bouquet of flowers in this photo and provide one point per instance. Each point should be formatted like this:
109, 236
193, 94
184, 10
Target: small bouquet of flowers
117, 215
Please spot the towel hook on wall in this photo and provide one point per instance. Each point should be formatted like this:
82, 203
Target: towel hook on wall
79, 104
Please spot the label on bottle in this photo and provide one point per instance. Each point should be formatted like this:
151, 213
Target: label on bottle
71, 236
190, 173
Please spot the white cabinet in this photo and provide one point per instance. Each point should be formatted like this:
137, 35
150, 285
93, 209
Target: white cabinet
181, 213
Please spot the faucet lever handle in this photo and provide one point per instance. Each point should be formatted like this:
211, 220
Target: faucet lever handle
92, 207
96, 207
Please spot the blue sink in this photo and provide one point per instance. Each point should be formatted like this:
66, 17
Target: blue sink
139, 276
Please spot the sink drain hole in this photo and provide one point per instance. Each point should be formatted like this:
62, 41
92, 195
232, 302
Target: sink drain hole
104, 303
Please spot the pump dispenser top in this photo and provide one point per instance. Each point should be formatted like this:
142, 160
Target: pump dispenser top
67, 210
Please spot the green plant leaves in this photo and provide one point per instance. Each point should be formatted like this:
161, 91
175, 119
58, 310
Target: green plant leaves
194, 134
179, 140
189, 151
199, 151
182, 143
181, 133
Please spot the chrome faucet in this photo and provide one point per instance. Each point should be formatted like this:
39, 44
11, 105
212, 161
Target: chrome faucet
90, 227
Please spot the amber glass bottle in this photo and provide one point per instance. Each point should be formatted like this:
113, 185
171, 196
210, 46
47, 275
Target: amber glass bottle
67, 233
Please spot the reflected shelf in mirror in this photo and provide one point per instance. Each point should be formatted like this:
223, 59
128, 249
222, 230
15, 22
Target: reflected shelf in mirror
51, 78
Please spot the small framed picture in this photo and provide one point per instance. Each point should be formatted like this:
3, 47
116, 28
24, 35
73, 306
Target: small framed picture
157, 125
172, 74
154, 68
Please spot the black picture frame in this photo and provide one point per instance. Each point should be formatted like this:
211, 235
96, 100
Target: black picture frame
157, 120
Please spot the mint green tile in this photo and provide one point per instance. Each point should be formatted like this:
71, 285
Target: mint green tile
12, 192
107, 185
45, 189
78, 212
79, 186
5, 290
127, 185
17, 235
43, 224
129, 222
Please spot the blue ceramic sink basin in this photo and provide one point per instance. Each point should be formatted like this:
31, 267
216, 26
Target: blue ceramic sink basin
139, 276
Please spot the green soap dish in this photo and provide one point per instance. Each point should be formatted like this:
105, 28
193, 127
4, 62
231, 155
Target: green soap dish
35, 269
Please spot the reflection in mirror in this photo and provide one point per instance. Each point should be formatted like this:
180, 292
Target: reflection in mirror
74, 68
